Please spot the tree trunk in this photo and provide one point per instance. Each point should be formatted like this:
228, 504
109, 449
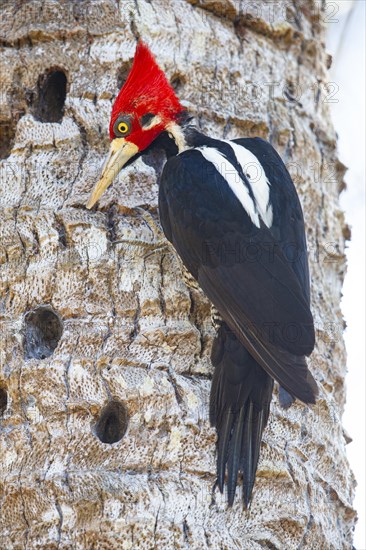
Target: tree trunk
104, 351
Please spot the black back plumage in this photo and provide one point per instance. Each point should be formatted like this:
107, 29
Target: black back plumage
258, 279
288, 222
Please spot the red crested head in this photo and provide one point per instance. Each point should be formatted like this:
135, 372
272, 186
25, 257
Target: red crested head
146, 103
145, 107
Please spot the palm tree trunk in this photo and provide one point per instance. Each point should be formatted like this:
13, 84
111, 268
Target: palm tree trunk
104, 350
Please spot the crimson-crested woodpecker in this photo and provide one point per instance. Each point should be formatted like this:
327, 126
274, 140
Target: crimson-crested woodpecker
232, 213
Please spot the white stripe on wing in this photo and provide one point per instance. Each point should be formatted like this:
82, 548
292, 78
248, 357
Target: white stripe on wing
232, 177
257, 178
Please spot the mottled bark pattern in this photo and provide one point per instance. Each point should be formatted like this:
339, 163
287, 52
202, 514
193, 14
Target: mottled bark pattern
100, 336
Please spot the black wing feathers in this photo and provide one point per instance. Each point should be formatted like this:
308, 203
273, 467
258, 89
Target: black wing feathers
258, 279
288, 222
261, 298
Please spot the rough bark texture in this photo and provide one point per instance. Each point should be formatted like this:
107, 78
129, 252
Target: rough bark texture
119, 331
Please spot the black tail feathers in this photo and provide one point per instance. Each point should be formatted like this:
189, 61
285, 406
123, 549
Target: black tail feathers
239, 407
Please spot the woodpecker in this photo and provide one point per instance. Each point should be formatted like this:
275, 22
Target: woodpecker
231, 211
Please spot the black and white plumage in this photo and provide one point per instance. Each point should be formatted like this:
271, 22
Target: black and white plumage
231, 211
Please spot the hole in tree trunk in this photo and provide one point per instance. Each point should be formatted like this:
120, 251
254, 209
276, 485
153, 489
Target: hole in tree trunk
122, 74
177, 82
42, 332
51, 95
112, 423
7, 134
3, 400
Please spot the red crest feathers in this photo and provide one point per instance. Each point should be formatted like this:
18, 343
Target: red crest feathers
146, 90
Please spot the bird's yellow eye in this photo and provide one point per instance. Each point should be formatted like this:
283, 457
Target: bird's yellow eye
122, 127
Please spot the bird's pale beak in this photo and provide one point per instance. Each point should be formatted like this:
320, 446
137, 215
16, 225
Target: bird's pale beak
119, 153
